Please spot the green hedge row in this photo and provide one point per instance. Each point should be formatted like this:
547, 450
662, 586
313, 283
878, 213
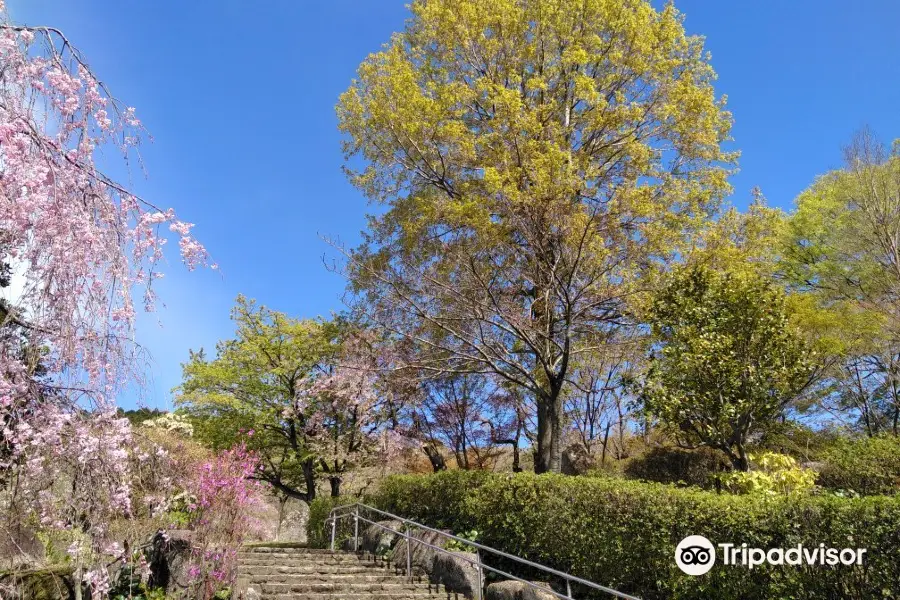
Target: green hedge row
623, 534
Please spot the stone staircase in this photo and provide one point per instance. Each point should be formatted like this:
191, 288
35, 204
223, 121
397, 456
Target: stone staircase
295, 573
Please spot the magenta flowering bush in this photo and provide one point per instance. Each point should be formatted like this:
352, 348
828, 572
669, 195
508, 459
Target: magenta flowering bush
223, 514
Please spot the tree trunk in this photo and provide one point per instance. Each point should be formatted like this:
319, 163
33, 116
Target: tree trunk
436, 458
77, 576
548, 455
309, 475
335, 482
605, 442
739, 459
516, 466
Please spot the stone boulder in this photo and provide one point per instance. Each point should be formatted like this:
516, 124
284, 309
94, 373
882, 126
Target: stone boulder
19, 547
457, 572
422, 555
169, 558
376, 540
50, 583
517, 590
244, 590
293, 520
576, 460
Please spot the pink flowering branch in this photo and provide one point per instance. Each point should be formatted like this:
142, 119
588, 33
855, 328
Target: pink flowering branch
78, 244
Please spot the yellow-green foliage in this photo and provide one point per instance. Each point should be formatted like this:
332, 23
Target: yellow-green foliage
484, 110
773, 474
728, 359
318, 531
540, 161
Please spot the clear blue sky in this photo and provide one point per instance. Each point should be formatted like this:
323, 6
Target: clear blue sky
239, 98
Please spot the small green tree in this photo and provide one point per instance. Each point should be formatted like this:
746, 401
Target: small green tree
726, 361
249, 392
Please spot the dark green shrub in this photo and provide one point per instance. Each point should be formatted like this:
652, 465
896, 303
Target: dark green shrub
318, 533
623, 533
436, 501
795, 439
865, 466
665, 464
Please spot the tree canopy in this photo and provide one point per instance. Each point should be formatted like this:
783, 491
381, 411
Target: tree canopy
538, 161
842, 249
727, 360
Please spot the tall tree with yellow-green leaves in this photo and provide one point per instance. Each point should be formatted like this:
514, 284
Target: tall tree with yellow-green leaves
537, 162
842, 246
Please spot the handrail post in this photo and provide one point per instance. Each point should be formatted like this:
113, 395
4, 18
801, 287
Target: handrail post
356, 528
408, 555
569, 588
333, 531
480, 592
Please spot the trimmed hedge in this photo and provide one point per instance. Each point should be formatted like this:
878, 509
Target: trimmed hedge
867, 466
623, 533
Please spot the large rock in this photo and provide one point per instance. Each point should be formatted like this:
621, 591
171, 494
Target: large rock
378, 540
170, 558
422, 555
51, 583
517, 590
293, 520
576, 460
19, 547
457, 572
817, 466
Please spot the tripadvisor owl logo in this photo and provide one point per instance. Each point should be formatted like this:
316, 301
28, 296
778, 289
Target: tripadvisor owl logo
695, 555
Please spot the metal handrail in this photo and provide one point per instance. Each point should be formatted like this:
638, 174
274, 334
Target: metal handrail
336, 514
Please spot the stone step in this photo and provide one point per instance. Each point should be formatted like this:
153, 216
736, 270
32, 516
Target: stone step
370, 569
299, 560
364, 596
288, 550
342, 588
297, 573
314, 570
301, 555
316, 552
352, 578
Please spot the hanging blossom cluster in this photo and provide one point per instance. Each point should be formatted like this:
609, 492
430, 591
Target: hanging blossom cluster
82, 243
76, 466
72, 473
81, 247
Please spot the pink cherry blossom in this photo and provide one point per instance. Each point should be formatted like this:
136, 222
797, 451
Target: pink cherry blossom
81, 246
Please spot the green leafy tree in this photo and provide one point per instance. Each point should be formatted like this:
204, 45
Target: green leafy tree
539, 160
250, 391
842, 246
727, 360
